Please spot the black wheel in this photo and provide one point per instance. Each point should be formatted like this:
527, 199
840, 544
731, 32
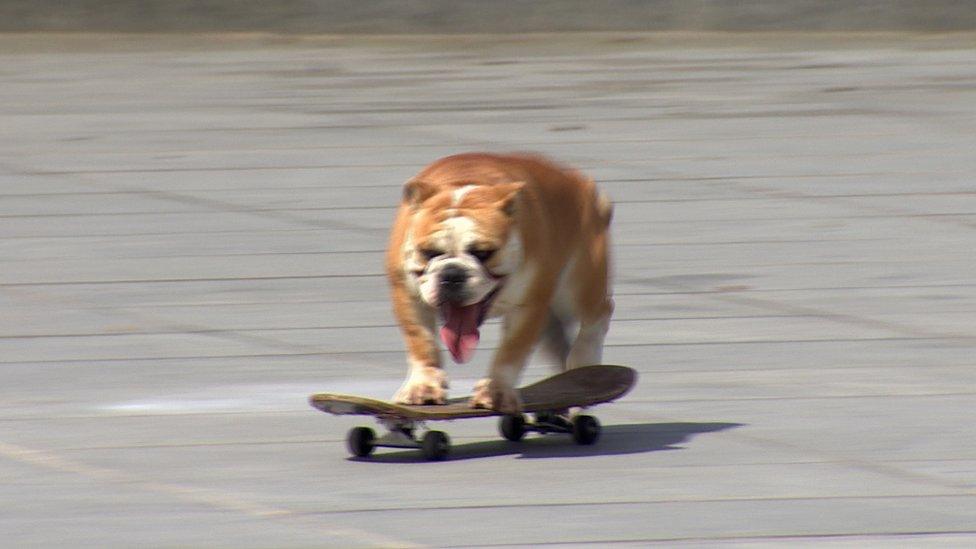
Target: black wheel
360, 441
436, 445
586, 429
512, 427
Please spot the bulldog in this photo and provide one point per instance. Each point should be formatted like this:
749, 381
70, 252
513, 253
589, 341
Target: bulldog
478, 236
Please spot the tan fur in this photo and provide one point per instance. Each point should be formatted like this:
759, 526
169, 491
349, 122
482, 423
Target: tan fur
562, 221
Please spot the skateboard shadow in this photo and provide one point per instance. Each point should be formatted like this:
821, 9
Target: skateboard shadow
614, 440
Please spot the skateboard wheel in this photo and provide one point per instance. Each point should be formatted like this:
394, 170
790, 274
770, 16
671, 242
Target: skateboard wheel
360, 441
586, 429
512, 427
436, 445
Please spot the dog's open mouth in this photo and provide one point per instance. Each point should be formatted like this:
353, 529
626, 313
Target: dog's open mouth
461, 322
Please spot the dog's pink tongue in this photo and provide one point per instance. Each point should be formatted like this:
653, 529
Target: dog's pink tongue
460, 332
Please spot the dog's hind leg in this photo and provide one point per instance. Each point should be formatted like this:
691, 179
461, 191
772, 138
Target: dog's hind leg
593, 303
555, 341
588, 347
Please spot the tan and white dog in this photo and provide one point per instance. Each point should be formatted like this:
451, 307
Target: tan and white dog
485, 235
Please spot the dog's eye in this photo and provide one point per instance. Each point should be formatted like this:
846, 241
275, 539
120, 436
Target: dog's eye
430, 253
482, 255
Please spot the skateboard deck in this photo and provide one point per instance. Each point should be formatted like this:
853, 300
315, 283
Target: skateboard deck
579, 387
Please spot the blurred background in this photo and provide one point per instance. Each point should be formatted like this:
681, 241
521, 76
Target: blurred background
497, 16
195, 198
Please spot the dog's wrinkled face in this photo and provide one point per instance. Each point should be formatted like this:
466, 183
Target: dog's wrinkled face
460, 247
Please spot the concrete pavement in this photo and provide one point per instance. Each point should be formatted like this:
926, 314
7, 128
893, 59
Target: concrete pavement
191, 235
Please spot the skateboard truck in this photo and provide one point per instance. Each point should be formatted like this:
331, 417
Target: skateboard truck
400, 433
584, 428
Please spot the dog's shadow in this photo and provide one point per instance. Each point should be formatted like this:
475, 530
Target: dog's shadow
614, 440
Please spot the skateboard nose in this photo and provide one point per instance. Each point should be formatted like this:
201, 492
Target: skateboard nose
452, 282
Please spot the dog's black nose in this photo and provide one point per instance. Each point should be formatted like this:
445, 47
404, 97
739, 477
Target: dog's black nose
452, 283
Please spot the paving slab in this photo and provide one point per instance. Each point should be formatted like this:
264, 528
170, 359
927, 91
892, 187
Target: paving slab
191, 242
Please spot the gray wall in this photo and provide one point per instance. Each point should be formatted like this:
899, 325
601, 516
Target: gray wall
462, 16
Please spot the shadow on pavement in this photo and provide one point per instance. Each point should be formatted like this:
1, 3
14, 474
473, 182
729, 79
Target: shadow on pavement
615, 440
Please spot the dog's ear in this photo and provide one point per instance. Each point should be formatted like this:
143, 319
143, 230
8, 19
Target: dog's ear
416, 191
508, 196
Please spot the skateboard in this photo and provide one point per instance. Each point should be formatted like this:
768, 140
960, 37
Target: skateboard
548, 400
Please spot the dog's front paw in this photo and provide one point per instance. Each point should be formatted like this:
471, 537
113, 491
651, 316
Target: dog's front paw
495, 395
424, 386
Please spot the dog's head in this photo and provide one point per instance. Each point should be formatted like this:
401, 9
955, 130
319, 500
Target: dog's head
461, 243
